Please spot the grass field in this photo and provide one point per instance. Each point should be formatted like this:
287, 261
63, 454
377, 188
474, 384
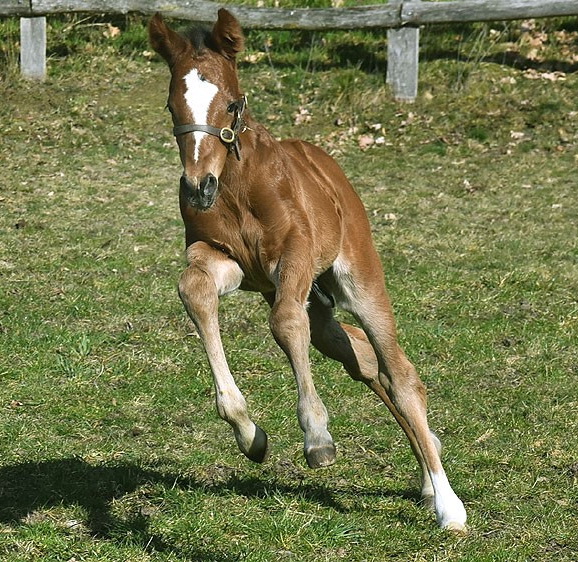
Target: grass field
110, 445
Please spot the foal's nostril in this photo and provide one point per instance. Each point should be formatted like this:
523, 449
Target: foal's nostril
187, 184
200, 194
208, 185
208, 190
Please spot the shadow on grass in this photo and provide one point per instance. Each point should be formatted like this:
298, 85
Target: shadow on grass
512, 59
29, 487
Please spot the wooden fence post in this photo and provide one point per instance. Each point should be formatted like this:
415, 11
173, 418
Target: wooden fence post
33, 48
403, 61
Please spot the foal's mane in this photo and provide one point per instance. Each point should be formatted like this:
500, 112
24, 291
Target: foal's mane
200, 37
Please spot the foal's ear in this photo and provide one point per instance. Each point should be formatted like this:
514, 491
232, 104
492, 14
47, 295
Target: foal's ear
166, 42
228, 35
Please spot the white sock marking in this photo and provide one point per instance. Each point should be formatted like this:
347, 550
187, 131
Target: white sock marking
449, 508
199, 96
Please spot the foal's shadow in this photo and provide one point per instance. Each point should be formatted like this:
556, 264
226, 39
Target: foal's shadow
29, 487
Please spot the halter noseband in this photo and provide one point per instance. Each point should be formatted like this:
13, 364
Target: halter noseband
229, 135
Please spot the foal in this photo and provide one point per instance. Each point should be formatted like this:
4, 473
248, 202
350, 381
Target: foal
281, 218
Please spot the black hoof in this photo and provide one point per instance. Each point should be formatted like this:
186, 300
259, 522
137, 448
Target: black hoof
259, 449
258, 454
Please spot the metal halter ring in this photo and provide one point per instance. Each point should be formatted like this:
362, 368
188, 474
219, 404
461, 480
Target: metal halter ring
227, 135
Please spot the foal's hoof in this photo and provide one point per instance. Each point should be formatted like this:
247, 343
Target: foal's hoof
258, 449
321, 456
258, 454
456, 528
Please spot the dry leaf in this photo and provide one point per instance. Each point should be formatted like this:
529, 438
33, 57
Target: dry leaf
303, 116
111, 31
365, 141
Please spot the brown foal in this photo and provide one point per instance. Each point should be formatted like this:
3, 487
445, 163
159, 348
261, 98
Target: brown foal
281, 218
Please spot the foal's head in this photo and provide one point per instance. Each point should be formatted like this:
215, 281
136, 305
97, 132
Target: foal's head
204, 99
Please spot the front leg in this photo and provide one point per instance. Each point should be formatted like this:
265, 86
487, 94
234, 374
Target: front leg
211, 274
289, 324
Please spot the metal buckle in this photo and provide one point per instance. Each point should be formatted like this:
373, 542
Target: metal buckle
227, 135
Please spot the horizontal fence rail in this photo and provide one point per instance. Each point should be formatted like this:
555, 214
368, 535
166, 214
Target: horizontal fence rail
402, 19
392, 15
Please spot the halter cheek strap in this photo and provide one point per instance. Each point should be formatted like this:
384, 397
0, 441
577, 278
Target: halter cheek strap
228, 135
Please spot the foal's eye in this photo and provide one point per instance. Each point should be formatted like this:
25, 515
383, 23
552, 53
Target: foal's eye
202, 78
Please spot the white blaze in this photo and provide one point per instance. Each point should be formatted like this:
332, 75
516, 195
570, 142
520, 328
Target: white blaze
199, 95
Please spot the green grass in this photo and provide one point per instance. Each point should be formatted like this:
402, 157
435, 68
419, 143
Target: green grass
110, 445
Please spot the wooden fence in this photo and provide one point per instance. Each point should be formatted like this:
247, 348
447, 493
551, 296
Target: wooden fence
401, 18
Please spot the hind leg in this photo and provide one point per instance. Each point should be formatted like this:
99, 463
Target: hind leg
349, 345
362, 292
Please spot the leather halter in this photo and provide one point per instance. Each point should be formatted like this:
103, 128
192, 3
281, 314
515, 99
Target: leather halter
229, 135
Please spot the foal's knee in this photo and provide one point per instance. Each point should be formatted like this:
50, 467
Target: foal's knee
289, 323
187, 284
197, 291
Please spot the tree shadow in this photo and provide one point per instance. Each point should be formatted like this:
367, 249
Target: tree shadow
367, 51
512, 59
518, 61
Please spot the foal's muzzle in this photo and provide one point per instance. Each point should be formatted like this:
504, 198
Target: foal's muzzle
201, 195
